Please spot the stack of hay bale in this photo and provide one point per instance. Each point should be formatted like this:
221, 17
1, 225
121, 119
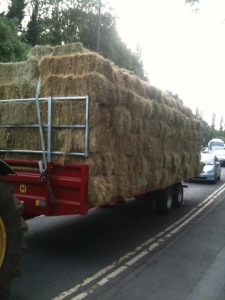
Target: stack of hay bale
140, 137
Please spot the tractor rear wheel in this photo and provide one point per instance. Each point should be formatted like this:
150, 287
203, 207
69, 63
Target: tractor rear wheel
12, 229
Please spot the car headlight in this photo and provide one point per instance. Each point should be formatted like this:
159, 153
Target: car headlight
211, 171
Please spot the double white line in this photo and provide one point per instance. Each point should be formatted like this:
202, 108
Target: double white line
145, 248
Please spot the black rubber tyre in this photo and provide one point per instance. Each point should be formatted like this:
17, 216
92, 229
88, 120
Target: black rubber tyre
15, 227
178, 195
164, 201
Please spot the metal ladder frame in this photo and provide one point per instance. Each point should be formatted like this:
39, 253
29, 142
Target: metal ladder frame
49, 126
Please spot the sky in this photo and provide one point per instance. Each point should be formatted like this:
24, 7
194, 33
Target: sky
182, 52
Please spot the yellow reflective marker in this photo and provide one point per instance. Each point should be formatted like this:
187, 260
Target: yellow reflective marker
23, 188
40, 202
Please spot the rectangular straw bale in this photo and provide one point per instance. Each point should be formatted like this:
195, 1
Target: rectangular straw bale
38, 52
92, 84
151, 146
152, 128
129, 144
171, 115
68, 49
174, 144
65, 140
121, 186
26, 89
77, 64
72, 112
121, 120
133, 83
136, 126
171, 102
152, 92
25, 139
89, 62
8, 91
100, 189
21, 113
176, 118
18, 72
102, 140
136, 105
4, 133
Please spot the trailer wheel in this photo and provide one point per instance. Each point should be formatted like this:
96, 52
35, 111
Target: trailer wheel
177, 194
164, 201
12, 229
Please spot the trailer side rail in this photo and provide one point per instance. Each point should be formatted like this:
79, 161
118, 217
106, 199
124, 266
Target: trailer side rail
49, 151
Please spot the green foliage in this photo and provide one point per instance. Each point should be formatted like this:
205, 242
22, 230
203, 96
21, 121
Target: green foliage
113, 48
221, 123
16, 10
57, 22
192, 2
209, 131
12, 47
33, 26
213, 121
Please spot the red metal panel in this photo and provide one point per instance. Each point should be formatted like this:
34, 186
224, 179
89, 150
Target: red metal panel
69, 184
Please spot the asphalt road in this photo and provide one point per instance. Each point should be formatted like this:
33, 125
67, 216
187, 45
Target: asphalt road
76, 257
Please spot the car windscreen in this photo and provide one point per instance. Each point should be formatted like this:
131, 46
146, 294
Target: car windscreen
207, 160
217, 148
216, 144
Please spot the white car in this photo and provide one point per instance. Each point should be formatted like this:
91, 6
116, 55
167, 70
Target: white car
220, 154
215, 142
211, 170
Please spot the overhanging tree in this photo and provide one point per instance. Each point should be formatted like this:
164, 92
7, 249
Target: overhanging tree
12, 48
63, 22
16, 9
33, 26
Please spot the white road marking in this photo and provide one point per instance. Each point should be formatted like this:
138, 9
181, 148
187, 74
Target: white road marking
136, 258
118, 271
148, 242
81, 296
153, 246
103, 281
168, 232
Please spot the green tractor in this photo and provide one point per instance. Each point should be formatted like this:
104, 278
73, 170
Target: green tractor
12, 229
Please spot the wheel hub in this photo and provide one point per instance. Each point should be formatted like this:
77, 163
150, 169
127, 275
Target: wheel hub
2, 241
169, 201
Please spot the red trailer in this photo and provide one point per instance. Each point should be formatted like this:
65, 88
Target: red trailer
64, 189
48, 188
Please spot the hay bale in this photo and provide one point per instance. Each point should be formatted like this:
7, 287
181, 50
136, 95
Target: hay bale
37, 52
89, 62
94, 85
18, 72
140, 137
